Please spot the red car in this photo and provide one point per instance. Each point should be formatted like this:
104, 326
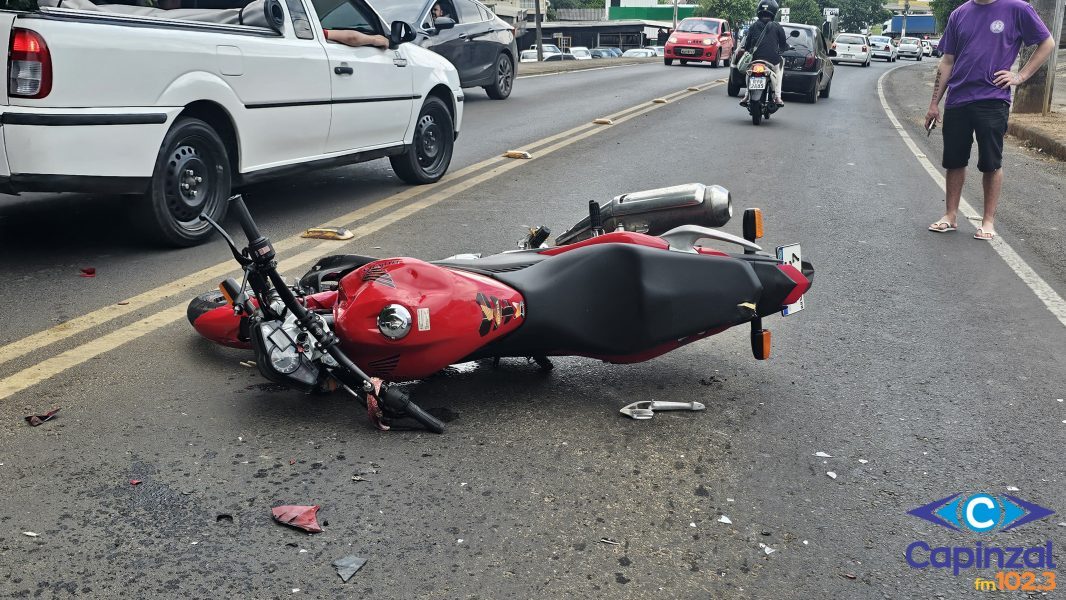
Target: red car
699, 39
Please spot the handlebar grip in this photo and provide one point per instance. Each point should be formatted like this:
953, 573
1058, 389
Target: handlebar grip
245, 218
395, 399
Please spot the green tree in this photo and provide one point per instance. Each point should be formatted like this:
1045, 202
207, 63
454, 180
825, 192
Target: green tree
942, 10
856, 15
736, 12
803, 11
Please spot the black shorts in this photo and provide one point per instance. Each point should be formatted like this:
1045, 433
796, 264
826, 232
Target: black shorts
987, 121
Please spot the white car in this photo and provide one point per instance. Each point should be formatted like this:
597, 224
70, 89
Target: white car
910, 48
639, 53
881, 47
581, 53
659, 50
927, 48
546, 49
527, 56
180, 106
850, 48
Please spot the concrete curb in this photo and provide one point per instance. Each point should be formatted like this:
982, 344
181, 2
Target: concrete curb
534, 69
1038, 139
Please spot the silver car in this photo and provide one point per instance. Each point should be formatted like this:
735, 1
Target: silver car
910, 47
881, 47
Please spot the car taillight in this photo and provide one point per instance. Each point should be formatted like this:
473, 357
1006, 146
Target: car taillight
809, 62
887, 48
29, 67
865, 49
833, 46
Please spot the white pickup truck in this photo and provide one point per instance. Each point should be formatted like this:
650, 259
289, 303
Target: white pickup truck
180, 105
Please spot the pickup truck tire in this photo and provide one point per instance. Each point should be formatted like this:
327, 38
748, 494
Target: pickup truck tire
504, 82
430, 153
191, 176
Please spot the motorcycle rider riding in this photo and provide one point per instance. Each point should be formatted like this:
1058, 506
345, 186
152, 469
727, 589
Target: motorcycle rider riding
772, 44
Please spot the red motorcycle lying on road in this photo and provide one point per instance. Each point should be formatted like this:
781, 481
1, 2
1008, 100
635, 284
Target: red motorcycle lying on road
640, 290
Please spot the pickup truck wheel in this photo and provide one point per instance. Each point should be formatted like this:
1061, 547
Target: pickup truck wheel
430, 153
501, 87
191, 176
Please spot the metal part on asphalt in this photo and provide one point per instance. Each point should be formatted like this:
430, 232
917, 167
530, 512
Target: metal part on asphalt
645, 409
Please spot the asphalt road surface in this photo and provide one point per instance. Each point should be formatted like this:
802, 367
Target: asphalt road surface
923, 364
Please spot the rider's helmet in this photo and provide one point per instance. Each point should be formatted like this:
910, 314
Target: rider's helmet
767, 8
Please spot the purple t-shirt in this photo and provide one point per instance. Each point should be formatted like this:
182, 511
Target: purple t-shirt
985, 38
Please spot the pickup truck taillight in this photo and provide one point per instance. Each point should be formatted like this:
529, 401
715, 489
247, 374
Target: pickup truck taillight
29, 67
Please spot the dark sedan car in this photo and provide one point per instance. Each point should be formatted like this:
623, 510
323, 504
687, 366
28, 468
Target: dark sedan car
808, 69
480, 45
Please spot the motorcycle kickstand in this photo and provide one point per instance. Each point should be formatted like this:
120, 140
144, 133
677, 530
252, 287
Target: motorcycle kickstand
543, 363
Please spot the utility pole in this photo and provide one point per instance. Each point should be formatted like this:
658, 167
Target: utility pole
536, 19
606, 10
1034, 96
906, 10
675, 17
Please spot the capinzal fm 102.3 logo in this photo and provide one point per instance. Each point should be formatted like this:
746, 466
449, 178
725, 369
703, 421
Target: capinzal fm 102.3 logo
983, 513
980, 513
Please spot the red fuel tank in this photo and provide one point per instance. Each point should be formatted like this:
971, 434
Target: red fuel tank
453, 313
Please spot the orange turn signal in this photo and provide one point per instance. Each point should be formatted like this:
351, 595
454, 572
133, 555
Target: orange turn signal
760, 343
758, 68
752, 224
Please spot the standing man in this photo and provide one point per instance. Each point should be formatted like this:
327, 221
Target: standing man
980, 44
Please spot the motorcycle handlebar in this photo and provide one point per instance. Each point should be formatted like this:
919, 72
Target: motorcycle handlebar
395, 399
245, 218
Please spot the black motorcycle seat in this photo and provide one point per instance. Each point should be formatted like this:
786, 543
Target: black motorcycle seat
618, 299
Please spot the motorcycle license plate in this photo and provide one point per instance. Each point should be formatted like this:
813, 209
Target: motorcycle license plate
793, 255
757, 83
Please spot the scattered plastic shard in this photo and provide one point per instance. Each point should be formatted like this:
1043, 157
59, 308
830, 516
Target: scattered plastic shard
517, 154
605, 540
87, 272
300, 517
604, 121
124, 303
348, 566
136, 482
831, 474
823, 455
1011, 488
224, 517
659, 101
248, 363
358, 478
35, 420
29, 534
691, 524
725, 519
768, 550
730, 500
327, 233
805, 542
848, 575
863, 461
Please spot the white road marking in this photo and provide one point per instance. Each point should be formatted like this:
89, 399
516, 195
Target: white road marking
1051, 299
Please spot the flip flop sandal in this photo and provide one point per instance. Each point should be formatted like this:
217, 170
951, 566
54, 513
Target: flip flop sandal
983, 235
942, 226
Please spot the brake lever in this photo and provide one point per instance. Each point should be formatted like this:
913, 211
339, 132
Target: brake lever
237, 254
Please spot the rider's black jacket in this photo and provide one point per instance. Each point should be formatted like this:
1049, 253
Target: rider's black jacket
773, 43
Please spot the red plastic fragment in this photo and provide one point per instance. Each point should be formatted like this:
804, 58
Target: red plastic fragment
35, 420
292, 461
135, 482
88, 272
300, 517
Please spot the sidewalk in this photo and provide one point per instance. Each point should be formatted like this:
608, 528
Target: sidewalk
1047, 133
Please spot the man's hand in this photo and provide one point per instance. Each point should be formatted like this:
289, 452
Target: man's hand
933, 116
1006, 79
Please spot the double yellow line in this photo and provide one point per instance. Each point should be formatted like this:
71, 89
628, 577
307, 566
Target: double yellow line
427, 196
